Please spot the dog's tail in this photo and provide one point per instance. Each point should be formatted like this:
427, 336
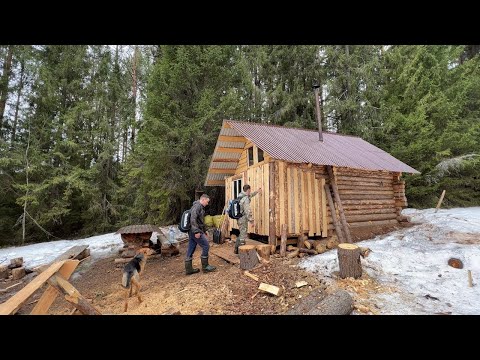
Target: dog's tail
126, 279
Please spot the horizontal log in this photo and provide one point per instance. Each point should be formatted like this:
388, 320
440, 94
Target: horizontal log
366, 197
372, 186
374, 223
360, 218
230, 150
224, 160
369, 206
216, 182
366, 173
390, 210
362, 191
349, 179
222, 171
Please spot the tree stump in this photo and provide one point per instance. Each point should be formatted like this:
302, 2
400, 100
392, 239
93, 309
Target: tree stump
264, 251
349, 261
3, 272
455, 263
248, 256
18, 273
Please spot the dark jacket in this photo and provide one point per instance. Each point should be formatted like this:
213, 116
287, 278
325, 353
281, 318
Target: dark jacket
197, 214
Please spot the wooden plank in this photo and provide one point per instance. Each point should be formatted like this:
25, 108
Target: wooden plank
338, 202
73, 296
255, 154
222, 160
290, 194
50, 294
318, 207
281, 205
230, 150
232, 138
336, 223
215, 183
283, 243
272, 239
12, 305
304, 208
285, 202
324, 209
297, 195
222, 171
225, 254
270, 289
266, 198
311, 207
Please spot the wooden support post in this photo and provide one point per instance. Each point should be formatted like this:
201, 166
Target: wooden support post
283, 243
348, 237
470, 280
272, 239
338, 228
349, 261
248, 256
440, 201
73, 296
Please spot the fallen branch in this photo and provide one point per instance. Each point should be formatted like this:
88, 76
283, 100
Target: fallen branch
11, 286
251, 276
293, 254
364, 252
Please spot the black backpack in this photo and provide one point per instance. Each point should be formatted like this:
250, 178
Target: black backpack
234, 209
185, 225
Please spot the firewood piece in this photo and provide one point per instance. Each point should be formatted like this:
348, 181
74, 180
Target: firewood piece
3, 272
264, 251
248, 257
300, 284
307, 244
349, 261
15, 263
293, 254
338, 303
273, 249
271, 289
291, 248
364, 252
283, 241
440, 201
332, 243
455, 263
470, 280
121, 261
307, 303
300, 241
307, 251
250, 275
128, 253
320, 248
18, 273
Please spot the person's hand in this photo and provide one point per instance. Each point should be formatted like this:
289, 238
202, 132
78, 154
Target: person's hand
197, 236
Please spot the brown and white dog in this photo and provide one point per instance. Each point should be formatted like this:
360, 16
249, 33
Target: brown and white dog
131, 277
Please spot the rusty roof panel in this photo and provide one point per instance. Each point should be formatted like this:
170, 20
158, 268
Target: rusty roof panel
138, 229
301, 145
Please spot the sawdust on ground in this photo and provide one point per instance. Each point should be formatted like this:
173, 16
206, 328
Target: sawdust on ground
166, 288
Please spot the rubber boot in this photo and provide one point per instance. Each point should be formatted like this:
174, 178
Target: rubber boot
205, 266
189, 270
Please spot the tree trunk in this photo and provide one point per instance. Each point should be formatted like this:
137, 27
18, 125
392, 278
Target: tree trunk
134, 90
17, 104
4, 81
283, 241
248, 257
338, 303
349, 261
264, 251
26, 191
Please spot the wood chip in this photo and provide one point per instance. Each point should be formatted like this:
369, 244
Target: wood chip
251, 276
299, 284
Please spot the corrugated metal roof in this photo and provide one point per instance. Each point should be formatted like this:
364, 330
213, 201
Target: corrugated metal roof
303, 146
137, 229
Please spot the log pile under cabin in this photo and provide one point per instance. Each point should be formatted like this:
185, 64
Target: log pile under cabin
295, 170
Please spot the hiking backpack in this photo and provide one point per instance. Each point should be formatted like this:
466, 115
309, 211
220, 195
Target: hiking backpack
185, 225
234, 208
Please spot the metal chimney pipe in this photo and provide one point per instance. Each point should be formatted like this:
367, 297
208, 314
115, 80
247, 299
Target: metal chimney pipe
316, 89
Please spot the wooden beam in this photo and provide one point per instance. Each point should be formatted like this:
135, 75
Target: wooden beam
232, 138
222, 171
12, 305
440, 201
73, 296
343, 220
50, 294
272, 203
229, 150
224, 160
338, 228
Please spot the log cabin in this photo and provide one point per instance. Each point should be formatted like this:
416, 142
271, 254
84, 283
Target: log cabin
292, 166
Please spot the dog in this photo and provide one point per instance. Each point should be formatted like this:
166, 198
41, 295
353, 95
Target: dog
131, 277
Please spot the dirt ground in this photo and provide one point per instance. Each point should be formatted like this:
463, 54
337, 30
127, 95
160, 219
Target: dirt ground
167, 290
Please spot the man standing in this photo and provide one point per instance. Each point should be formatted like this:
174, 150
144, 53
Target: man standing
247, 217
196, 236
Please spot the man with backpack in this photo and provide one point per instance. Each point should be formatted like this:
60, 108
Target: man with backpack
247, 217
196, 236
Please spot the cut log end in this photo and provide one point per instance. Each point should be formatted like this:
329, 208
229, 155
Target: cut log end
248, 257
